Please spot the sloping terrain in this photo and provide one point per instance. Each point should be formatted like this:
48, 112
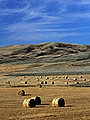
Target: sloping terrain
47, 56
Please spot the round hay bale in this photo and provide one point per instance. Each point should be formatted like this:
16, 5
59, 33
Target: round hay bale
47, 77
77, 83
52, 83
45, 82
41, 82
40, 76
84, 79
59, 102
81, 76
7, 82
52, 78
21, 93
24, 76
55, 76
29, 103
66, 77
63, 76
37, 100
66, 83
59, 77
39, 85
23, 82
75, 79
37, 79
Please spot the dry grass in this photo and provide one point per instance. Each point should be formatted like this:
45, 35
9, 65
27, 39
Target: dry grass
77, 104
77, 99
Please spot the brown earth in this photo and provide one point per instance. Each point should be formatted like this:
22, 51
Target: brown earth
77, 99
77, 104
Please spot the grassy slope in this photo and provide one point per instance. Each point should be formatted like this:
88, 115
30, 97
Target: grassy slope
48, 57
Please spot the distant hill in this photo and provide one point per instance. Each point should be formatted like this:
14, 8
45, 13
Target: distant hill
46, 58
44, 53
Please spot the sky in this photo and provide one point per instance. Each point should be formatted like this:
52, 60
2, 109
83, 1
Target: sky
38, 21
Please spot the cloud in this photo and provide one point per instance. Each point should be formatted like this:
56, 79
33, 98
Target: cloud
7, 7
85, 2
43, 19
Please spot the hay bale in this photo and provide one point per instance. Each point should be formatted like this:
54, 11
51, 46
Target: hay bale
37, 100
59, 77
40, 76
84, 79
77, 83
29, 103
39, 85
21, 93
55, 76
75, 79
23, 82
63, 77
59, 102
7, 82
24, 76
47, 77
41, 82
66, 83
81, 76
52, 78
52, 83
66, 77
37, 79
45, 82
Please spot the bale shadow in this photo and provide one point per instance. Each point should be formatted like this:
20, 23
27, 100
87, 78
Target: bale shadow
27, 94
45, 104
69, 106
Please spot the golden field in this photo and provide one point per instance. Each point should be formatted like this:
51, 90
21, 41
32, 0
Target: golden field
77, 99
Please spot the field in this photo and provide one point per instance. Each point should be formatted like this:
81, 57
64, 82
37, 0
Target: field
77, 99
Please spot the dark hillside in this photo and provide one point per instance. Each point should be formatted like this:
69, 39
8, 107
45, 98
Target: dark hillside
45, 52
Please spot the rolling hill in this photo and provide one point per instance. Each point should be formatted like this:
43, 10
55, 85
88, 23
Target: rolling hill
48, 57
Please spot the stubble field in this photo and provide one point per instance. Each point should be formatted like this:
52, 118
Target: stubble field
77, 99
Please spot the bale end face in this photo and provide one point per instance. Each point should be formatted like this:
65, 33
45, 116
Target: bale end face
61, 102
37, 100
45, 82
31, 103
52, 83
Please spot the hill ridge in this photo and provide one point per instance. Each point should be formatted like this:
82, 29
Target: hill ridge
44, 52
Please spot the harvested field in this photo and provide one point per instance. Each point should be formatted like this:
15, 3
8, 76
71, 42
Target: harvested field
77, 104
